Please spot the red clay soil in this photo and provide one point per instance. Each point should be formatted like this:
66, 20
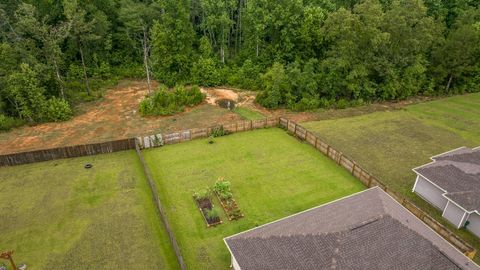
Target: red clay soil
114, 117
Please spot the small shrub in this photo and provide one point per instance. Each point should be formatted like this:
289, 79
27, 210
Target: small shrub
342, 104
324, 103
202, 194
218, 132
57, 110
7, 123
165, 102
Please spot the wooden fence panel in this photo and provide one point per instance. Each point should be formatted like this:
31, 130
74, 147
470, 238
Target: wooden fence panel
283, 123
66, 152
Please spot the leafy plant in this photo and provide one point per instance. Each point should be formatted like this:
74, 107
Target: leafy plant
57, 110
212, 214
7, 123
166, 102
218, 132
222, 188
202, 194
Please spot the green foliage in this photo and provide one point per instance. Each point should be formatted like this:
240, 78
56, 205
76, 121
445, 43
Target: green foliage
245, 77
206, 72
202, 194
275, 87
7, 122
57, 110
172, 40
222, 188
166, 102
218, 132
26, 98
212, 214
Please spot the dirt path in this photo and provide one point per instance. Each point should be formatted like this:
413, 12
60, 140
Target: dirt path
114, 117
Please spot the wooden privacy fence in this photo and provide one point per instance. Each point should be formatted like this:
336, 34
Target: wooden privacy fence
370, 181
160, 209
129, 144
160, 139
66, 152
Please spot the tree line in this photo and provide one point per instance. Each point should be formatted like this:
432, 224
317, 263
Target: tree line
300, 54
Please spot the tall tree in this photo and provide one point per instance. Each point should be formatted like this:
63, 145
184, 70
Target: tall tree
172, 41
49, 36
138, 19
82, 32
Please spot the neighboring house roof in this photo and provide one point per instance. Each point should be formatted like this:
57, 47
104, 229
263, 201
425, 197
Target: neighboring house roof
458, 173
368, 230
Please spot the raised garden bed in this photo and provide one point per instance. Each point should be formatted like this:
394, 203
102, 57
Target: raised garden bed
207, 209
225, 196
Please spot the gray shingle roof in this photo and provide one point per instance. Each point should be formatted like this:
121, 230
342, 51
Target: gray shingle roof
368, 230
458, 173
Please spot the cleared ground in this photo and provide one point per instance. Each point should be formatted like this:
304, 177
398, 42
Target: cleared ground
272, 174
390, 144
111, 118
59, 215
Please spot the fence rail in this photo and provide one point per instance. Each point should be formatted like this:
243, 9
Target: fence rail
66, 152
161, 139
370, 181
159, 207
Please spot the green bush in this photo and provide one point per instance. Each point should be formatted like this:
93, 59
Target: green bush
218, 132
57, 110
7, 123
165, 102
222, 188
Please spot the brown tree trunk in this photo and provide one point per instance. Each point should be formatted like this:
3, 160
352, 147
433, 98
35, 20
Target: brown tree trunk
145, 59
59, 78
449, 83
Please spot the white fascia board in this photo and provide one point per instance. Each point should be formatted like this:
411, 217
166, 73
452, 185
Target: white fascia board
433, 158
431, 182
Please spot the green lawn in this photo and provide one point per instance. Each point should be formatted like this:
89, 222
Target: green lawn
59, 215
273, 175
248, 114
390, 144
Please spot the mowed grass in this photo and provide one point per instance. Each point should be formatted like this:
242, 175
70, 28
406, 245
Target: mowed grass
272, 175
390, 144
248, 114
59, 215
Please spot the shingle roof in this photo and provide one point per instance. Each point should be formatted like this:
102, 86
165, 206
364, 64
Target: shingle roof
368, 230
458, 173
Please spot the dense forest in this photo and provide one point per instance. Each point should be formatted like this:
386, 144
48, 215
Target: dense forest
300, 54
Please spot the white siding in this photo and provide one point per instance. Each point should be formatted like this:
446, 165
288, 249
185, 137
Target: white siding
430, 193
454, 214
474, 225
235, 265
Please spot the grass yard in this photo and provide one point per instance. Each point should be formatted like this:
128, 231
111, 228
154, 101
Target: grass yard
272, 175
248, 114
59, 215
390, 144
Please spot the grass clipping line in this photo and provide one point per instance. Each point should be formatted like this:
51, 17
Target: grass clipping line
159, 207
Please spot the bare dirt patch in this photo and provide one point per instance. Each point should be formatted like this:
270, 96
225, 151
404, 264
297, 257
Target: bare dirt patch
114, 117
